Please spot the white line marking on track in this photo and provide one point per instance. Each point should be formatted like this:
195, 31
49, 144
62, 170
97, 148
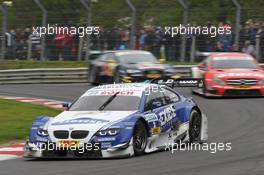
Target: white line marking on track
12, 149
8, 157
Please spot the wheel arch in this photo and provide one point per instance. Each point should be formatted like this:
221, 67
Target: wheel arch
145, 124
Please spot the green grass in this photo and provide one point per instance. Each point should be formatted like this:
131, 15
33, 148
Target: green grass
53, 64
16, 118
40, 64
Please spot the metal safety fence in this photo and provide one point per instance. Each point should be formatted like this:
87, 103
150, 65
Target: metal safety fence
129, 24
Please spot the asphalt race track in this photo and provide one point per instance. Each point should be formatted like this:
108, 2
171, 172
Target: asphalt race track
239, 121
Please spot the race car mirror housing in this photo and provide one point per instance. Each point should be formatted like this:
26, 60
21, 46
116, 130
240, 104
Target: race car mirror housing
162, 60
66, 106
201, 66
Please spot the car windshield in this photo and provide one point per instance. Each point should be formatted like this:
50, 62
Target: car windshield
136, 58
93, 103
234, 64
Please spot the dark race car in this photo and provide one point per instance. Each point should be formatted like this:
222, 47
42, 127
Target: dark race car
128, 66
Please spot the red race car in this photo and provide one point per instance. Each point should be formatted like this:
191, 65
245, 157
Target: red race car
230, 74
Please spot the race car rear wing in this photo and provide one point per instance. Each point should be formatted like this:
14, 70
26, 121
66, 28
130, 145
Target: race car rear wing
179, 82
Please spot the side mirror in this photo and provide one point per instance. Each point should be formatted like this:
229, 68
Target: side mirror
66, 106
201, 66
156, 104
162, 60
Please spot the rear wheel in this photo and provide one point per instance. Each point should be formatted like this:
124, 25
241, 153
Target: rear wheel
195, 126
139, 138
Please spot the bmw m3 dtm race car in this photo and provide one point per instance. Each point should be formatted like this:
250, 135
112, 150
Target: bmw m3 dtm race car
118, 120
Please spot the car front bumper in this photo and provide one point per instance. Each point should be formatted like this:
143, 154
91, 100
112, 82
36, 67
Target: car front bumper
122, 150
232, 91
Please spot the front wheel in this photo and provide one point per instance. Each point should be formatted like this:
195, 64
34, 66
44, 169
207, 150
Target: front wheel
117, 78
195, 126
93, 76
139, 138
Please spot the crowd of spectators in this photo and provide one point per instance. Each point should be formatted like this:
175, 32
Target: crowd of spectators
153, 39
249, 32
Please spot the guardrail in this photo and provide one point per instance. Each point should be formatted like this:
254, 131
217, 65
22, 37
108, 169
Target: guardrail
44, 75
62, 75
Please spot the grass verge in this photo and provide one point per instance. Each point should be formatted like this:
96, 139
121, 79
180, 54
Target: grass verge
40, 64
16, 118
53, 64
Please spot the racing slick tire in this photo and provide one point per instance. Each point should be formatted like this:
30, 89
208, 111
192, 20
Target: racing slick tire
139, 138
204, 89
195, 126
93, 77
204, 85
117, 78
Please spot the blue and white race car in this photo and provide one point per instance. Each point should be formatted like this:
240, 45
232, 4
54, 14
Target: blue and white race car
118, 120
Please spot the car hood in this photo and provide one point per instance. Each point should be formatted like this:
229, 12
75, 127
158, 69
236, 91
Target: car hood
89, 120
239, 73
146, 66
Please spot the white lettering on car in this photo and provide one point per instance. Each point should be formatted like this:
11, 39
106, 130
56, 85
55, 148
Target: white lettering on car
167, 115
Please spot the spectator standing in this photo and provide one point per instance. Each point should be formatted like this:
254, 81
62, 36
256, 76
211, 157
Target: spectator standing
142, 37
225, 39
249, 48
149, 40
261, 37
36, 45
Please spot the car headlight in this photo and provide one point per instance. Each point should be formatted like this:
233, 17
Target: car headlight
42, 132
108, 132
218, 81
261, 82
133, 71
